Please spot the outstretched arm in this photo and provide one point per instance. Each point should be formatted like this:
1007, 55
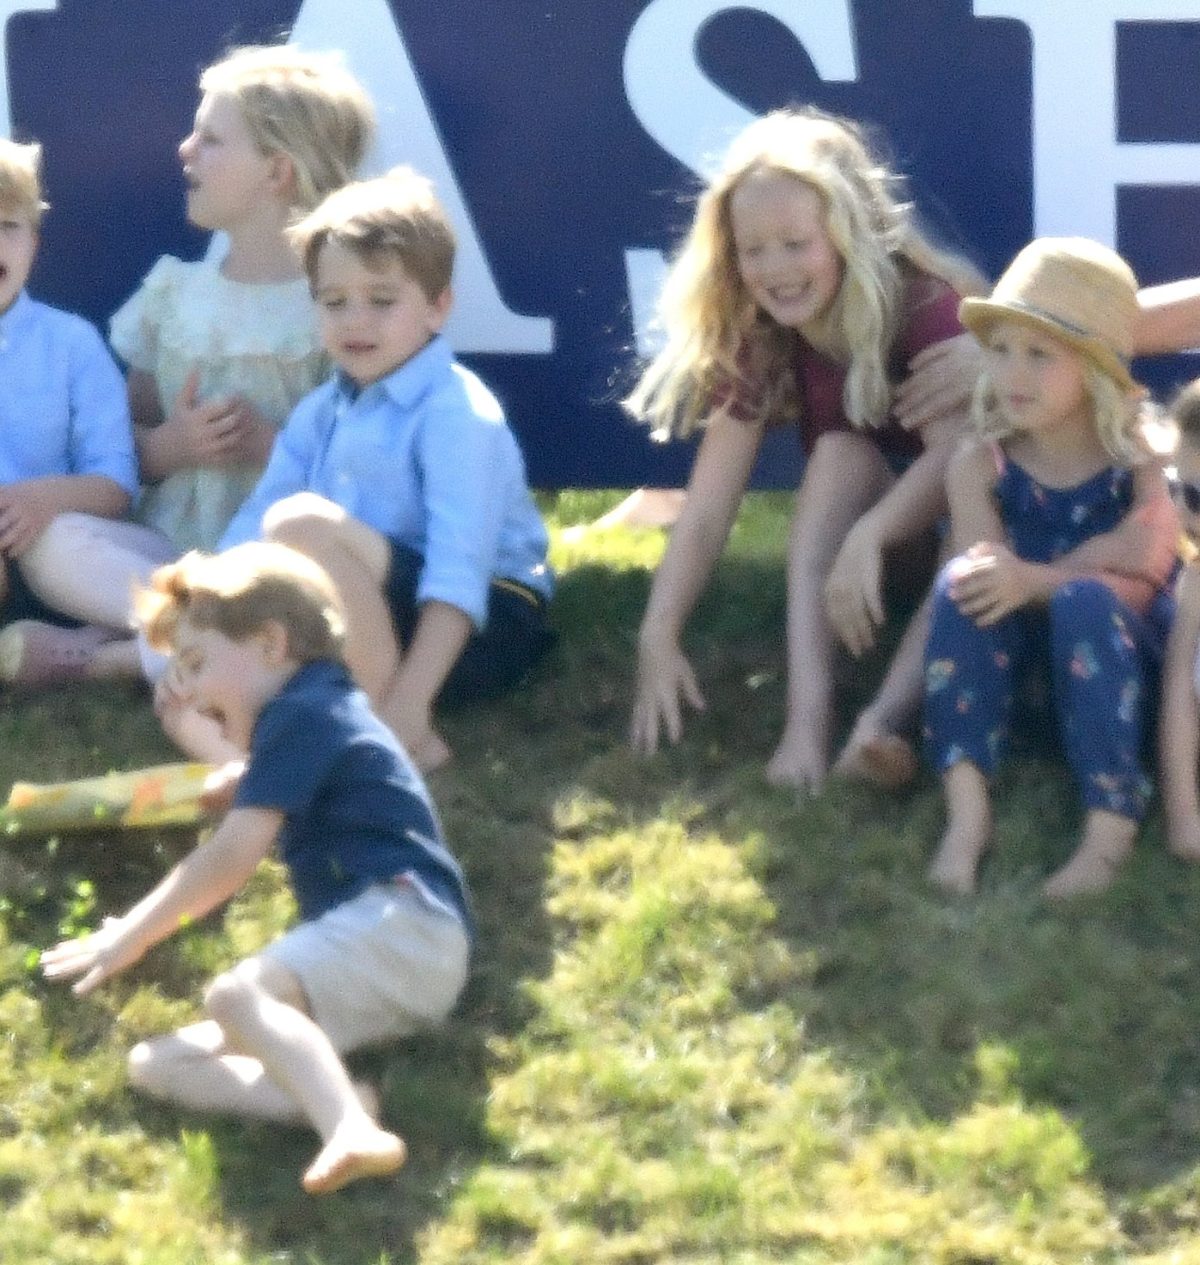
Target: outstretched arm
206, 877
664, 678
1170, 317
913, 504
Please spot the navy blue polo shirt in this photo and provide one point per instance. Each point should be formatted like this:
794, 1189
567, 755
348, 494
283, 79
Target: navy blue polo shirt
356, 811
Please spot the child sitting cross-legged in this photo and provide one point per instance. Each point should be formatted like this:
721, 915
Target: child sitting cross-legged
400, 475
384, 938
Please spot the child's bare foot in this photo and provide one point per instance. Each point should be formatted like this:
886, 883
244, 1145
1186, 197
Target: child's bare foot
358, 1148
1106, 844
1183, 840
430, 752
799, 762
878, 758
644, 507
968, 829
956, 861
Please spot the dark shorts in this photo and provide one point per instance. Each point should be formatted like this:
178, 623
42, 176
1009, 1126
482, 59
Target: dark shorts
22, 603
515, 637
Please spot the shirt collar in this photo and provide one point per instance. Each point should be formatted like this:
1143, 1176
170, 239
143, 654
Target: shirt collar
404, 386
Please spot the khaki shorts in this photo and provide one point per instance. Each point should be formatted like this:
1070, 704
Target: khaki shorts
381, 966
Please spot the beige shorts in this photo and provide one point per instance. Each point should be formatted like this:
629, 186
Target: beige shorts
381, 966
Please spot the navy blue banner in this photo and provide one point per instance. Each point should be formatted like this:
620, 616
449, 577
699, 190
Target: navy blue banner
567, 138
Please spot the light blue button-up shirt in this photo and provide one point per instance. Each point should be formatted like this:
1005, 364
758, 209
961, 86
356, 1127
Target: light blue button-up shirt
63, 403
425, 457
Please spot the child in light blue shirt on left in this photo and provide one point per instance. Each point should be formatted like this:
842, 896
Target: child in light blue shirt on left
400, 475
66, 441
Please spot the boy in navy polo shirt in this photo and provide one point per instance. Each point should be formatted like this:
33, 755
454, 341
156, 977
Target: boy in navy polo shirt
384, 938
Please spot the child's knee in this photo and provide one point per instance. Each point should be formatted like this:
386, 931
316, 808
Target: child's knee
302, 517
228, 997
146, 1070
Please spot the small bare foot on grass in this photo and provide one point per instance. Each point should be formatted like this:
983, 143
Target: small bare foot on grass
880, 759
644, 507
1106, 845
956, 861
430, 753
798, 763
357, 1149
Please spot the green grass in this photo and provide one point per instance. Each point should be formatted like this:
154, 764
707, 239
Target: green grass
707, 1022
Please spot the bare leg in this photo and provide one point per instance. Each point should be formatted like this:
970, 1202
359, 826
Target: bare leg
644, 507
845, 475
193, 1067
877, 750
968, 829
357, 559
262, 1055
1106, 844
87, 567
117, 660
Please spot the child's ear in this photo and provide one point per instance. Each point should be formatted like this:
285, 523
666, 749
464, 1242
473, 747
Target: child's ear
439, 309
283, 176
273, 638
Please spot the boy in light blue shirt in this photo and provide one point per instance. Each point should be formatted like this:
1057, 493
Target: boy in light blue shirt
66, 442
400, 475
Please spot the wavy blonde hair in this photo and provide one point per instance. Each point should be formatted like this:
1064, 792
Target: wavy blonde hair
716, 334
1116, 412
305, 105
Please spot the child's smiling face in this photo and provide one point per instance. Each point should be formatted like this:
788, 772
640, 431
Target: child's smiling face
784, 254
18, 249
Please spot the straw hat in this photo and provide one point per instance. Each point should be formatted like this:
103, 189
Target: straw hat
1075, 289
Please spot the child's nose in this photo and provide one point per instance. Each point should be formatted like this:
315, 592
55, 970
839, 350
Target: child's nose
185, 146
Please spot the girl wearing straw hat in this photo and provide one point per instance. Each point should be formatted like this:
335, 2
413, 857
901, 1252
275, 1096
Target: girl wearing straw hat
1065, 537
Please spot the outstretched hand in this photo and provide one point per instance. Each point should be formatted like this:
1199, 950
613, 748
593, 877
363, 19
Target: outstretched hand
665, 681
93, 958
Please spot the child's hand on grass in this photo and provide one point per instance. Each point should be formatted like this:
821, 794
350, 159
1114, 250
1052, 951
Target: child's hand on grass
94, 957
665, 681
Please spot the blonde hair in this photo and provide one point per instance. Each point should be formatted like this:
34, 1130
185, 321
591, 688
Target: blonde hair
395, 215
239, 591
21, 179
304, 105
715, 334
1116, 412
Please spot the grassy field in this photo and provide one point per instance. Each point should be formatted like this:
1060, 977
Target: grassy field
707, 1022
